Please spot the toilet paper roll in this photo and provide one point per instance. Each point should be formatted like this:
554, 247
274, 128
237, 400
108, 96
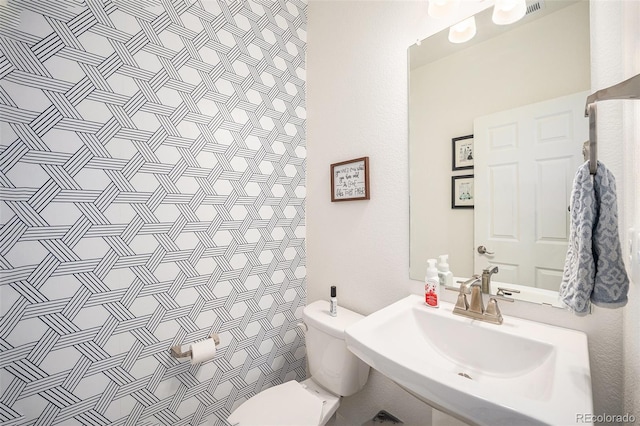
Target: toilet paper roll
203, 351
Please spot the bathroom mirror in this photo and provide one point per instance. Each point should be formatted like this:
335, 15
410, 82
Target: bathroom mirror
543, 57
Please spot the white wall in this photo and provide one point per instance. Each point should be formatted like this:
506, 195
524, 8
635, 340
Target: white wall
475, 82
618, 54
631, 207
357, 105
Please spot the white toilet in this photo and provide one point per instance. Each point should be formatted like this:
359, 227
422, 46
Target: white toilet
335, 372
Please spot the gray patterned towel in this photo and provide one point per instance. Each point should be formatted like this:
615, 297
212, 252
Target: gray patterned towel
611, 283
579, 267
594, 270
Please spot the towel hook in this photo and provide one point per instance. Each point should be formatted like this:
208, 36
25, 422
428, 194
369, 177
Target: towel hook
593, 138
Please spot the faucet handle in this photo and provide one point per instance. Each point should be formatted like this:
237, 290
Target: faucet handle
464, 285
471, 281
506, 291
461, 303
462, 289
504, 299
493, 311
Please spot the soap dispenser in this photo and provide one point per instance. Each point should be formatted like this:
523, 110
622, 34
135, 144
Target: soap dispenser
444, 274
432, 285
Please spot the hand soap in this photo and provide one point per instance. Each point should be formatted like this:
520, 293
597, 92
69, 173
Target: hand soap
432, 285
445, 276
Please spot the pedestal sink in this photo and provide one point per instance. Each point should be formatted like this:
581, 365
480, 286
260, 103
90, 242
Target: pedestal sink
518, 373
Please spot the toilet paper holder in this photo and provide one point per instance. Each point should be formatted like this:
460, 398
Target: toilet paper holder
176, 351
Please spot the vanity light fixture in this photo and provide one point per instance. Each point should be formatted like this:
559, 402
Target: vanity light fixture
507, 12
442, 8
463, 31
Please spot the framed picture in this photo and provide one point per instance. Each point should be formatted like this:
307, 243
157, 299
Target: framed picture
462, 149
462, 192
350, 180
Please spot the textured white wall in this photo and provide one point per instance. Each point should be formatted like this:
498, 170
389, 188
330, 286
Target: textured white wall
631, 206
615, 46
357, 105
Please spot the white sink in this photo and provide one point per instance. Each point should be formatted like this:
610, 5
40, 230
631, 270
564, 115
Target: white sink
518, 373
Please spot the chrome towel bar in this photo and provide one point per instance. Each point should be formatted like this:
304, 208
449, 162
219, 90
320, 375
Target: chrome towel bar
628, 89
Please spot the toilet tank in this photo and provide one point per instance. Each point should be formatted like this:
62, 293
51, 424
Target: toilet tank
331, 364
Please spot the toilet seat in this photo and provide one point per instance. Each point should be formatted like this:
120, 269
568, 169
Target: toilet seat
288, 404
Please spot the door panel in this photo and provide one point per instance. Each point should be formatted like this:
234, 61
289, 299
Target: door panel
525, 160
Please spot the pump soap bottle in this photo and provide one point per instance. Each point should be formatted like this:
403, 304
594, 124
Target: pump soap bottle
432, 285
444, 274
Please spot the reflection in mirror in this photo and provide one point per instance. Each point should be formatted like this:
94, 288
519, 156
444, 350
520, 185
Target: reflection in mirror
504, 72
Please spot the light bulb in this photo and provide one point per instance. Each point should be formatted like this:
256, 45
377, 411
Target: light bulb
463, 31
442, 8
507, 12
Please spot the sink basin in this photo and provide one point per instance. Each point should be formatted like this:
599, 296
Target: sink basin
518, 373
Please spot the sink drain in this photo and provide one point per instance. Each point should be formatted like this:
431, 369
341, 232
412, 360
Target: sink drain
465, 375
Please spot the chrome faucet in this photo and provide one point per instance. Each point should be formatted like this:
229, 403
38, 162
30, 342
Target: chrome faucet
486, 279
475, 309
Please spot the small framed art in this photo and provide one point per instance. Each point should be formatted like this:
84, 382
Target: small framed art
350, 180
462, 150
462, 192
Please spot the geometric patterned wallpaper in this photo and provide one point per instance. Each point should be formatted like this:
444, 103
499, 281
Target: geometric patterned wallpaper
152, 186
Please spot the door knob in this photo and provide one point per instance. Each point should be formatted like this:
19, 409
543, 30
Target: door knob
483, 250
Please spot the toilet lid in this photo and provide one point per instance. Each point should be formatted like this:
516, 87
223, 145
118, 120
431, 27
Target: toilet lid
288, 404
